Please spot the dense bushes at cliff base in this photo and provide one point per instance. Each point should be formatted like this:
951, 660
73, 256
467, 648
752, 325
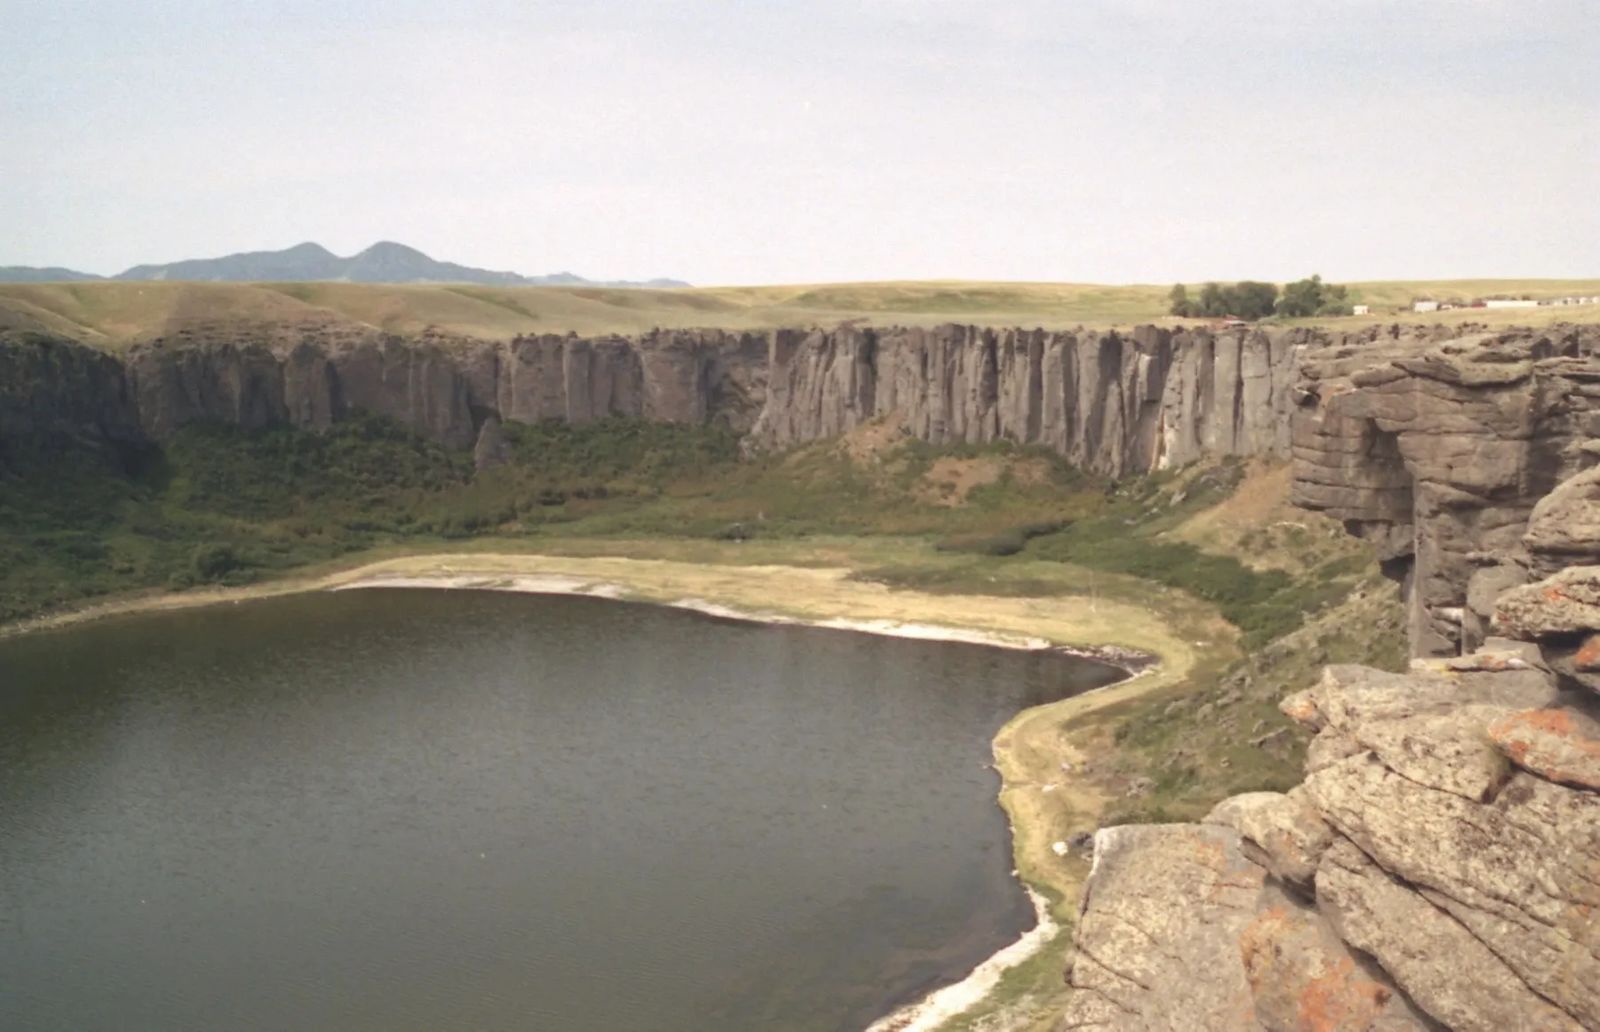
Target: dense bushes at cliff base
218, 504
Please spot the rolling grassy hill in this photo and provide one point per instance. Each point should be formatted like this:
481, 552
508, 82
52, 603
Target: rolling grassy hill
110, 313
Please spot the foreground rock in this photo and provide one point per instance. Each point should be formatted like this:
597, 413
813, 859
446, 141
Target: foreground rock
1562, 745
1163, 903
1181, 930
1439, 867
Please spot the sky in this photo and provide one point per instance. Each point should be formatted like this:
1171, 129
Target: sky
756, 141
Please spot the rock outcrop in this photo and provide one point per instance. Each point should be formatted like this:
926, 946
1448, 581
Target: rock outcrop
1438, 450
1438, 868
1449, 873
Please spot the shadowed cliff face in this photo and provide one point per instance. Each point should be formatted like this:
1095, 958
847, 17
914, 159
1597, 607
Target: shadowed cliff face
56, 395
445, 388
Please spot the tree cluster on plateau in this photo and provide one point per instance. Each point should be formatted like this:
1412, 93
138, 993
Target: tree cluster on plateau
1313, 297
1251, 300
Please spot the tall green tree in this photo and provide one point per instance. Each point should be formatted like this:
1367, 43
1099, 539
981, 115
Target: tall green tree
1180, 303
1252, 300
1301, 298
1311, 296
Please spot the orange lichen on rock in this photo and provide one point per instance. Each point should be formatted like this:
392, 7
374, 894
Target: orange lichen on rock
1560, 744
1303, 978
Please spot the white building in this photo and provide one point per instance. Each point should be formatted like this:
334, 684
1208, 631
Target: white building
1361, 309
1507, 302
1424, 306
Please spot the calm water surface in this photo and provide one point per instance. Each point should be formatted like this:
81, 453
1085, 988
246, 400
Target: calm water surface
411, 810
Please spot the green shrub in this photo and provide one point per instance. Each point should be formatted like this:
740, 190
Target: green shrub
213, 561
1003, 543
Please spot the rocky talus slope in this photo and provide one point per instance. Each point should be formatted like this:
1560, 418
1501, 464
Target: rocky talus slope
1439, 866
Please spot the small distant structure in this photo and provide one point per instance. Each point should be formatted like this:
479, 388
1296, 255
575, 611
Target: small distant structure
1578, 300
1424, 306
1510, 302
1360, 309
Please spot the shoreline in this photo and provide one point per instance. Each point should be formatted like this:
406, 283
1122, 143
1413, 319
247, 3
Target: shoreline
1130, 661
1027, 749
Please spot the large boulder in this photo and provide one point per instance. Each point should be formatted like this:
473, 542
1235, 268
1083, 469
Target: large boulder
1564, 528
1439, 963
1286, 833
1446, 841
1558, 744
1180, 930
1518, 872
1563, 605
1304, 977
1164, 909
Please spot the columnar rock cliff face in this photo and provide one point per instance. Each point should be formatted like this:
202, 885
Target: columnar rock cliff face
1111, 402
444, 387
1114, 403
56, 395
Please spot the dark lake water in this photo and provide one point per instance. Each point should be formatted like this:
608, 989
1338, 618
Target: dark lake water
414, 810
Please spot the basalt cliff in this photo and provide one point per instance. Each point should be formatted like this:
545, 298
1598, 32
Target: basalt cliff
1114, 403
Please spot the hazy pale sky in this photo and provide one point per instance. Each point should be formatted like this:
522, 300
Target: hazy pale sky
758, 141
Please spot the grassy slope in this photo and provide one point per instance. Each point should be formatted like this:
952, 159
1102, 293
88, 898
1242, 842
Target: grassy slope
113, 313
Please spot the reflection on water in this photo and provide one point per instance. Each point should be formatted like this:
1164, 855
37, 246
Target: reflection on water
419, 810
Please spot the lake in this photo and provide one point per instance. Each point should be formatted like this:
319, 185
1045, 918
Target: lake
420, 810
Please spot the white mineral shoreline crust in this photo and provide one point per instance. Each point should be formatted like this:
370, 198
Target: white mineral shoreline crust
941, 1005
562, 584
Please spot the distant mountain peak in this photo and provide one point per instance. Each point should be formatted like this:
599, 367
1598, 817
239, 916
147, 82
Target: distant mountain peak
384, 248
386, 261
309, 249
